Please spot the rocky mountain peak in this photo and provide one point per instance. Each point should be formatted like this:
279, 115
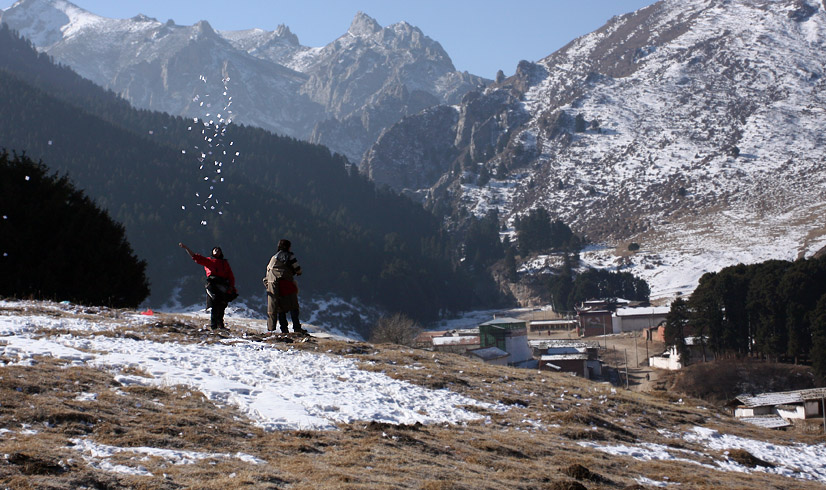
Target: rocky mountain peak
284, 33
143, 18
363, 25
203, 27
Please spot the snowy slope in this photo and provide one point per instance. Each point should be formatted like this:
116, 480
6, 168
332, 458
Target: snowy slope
286, 389
741, 74
276, 389
699, 137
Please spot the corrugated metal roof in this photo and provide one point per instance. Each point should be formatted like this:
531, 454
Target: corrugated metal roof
565, 357
554, 343
459, 340
504, 321
647, 311
559, 351
554, 322
767, 421
782, 397
489, 353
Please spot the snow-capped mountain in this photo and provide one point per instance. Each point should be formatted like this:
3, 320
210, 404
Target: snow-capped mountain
341, 95
365, 80
692, 127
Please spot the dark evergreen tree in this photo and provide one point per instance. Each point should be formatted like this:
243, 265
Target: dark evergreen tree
536, 232
676, 324
510, 261
800, 289
819, 339
766, 309
562, 285
482, 244
599, 283
732, 285
58, 245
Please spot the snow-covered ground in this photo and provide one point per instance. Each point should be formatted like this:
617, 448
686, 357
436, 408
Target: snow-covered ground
801, 461
291, 389
277, 389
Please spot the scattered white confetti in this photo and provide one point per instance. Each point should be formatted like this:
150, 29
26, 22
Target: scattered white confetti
214, 130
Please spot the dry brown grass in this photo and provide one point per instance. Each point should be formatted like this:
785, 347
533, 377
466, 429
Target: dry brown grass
532, 445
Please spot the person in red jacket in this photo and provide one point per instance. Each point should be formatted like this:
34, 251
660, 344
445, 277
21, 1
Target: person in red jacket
220, 283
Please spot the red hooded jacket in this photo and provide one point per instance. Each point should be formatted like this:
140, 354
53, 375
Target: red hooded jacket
216, 267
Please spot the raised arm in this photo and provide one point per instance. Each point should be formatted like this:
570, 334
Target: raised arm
190, 252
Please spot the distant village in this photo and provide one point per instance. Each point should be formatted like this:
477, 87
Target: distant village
594, 343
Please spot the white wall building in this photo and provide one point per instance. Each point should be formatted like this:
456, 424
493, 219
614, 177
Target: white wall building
634, 319
669, 359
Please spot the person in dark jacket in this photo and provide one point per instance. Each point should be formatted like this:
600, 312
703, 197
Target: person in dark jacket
282, 290
220, 283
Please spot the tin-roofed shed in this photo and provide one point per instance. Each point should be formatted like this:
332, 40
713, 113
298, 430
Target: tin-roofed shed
509, 335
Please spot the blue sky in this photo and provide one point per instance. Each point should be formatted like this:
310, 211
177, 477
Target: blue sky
481, 36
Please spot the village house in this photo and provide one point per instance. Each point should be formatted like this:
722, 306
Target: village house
603, 317
633, 319
552, 325
569, 356
509, 335
780, 409
457, 341
594, 322
425, 339
490, 355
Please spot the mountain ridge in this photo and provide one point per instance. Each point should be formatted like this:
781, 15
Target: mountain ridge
689, 127
279, 84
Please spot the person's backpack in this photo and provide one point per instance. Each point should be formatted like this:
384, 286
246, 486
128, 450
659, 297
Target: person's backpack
219, 289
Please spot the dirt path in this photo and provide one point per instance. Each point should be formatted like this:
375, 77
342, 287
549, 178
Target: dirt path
615, 349
630, 350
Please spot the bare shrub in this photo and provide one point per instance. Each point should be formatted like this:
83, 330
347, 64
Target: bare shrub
395, 329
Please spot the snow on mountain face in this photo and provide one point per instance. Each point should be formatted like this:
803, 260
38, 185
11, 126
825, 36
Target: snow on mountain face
710, 143
342, 95
691, 127
46, 22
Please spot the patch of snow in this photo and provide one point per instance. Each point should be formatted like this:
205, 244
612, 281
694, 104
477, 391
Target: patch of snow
276, 389
800, 461
96, 455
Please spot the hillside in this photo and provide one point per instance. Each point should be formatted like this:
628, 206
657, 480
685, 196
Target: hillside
122, 399
691, 128
341, 95
143, 167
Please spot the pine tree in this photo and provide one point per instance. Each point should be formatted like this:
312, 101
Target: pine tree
676, 323
59, 245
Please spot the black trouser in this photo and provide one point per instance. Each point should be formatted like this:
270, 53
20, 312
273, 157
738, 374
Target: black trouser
282, 320
216, 317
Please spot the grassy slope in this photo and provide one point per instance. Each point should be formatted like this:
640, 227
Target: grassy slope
510, 451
